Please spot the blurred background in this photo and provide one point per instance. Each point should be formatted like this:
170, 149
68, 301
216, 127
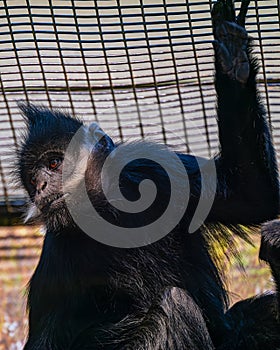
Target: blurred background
142, 69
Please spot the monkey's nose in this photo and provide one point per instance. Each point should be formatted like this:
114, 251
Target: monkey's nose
41, 186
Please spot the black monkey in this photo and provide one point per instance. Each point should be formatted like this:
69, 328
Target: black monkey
169, 294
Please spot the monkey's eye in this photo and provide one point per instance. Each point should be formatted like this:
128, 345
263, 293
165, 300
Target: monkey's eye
33, 180
54, 163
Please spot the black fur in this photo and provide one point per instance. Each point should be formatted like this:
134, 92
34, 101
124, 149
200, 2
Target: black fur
167, 295
270, 252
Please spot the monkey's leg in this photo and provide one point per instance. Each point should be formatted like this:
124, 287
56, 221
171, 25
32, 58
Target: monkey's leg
248, 189
270, 251
174, 321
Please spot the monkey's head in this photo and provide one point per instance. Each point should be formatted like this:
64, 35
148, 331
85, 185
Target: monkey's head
41, 159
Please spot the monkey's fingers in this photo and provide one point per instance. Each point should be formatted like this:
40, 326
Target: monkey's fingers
223, 10
230, 10
243, 12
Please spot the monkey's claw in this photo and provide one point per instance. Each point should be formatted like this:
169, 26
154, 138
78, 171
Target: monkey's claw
231, 40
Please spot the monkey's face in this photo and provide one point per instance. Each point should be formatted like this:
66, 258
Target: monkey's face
40, 162
43, 181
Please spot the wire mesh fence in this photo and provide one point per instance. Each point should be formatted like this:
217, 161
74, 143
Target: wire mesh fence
141, 68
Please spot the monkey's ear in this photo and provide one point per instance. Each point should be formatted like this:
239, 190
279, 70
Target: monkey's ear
98, 137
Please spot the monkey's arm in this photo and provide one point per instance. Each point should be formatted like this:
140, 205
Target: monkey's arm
247, 173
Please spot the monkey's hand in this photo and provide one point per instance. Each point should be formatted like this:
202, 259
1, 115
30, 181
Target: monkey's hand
231, 40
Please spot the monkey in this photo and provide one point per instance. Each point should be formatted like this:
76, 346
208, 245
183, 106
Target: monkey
167, 294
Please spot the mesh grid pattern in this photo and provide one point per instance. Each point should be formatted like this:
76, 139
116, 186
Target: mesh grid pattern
141, 68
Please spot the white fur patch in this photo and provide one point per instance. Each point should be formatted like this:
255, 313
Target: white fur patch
31, 213
91, 135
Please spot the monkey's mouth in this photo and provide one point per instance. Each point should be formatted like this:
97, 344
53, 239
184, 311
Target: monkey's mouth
51, 202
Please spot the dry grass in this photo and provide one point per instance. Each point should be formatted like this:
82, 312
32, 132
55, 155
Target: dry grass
19, 251
254, 278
